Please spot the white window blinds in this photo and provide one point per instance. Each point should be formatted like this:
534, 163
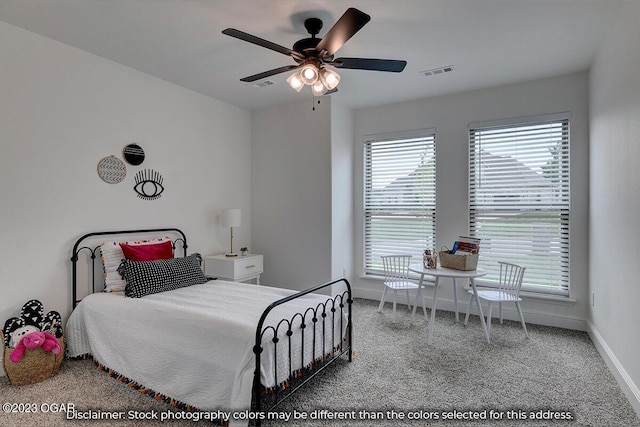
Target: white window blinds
519, 199
399, 197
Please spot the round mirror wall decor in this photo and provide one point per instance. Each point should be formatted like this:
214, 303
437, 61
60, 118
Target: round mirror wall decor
111, 169
133, 154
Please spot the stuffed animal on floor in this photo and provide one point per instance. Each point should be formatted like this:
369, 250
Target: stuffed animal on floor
20, 333
32, 318
35, 340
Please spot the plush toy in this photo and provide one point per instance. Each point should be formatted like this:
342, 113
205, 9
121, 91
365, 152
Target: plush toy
21, 332
35, 340
32, 312
32, 318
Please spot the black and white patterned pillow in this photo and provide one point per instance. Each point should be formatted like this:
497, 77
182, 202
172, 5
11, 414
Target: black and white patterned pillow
150, 277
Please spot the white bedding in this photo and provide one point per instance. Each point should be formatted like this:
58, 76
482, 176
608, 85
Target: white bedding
193, 344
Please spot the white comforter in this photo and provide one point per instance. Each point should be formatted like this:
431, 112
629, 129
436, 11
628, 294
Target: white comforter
193, 344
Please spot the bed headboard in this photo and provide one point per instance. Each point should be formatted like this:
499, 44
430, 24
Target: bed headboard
90, 243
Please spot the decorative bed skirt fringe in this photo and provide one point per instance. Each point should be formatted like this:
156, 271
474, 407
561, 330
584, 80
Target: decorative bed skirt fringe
144, 390
302, 373
296, 375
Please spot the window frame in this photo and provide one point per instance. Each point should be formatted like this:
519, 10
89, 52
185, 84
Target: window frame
541, 212
369, 265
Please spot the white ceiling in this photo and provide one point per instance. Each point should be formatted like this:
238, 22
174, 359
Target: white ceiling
489, 42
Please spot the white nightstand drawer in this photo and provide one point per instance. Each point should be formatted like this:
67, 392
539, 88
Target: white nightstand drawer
247, 266
238, 268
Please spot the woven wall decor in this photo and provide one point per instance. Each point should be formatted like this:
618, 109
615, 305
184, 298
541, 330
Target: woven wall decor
111, 169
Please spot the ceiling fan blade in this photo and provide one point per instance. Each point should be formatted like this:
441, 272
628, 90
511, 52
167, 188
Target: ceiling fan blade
349, 23
329, 92
391, 65
260, 42
269, 73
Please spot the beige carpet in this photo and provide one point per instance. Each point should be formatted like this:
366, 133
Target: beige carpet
394, 375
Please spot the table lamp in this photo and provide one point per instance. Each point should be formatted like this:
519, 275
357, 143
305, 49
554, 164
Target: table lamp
230, 218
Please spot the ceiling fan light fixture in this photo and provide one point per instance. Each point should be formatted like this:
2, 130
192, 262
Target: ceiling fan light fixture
295, 81
312, 54
309, 74
329, 78
318, 88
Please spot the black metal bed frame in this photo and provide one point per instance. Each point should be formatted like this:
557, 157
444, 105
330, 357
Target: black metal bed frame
266, 400
77, 250
318, 316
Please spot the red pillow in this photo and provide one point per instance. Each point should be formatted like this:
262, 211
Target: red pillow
148, 252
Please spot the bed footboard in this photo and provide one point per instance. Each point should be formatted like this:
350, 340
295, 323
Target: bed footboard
335, 310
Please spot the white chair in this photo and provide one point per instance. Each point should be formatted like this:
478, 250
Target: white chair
396, 278
508, 290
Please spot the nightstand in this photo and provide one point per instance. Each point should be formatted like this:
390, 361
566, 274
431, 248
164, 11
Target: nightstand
236, 269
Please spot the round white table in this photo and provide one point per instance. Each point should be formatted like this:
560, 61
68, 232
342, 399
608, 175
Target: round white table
439, 272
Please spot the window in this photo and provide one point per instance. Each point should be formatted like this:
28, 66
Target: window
399, 196
519, 199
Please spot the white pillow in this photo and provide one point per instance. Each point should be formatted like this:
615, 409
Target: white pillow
112, 256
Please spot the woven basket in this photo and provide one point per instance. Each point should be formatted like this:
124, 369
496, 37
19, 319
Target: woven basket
458, 262
35, 366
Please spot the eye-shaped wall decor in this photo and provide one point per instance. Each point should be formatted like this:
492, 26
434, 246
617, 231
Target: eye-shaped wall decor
111, 169
148, 184
133, 154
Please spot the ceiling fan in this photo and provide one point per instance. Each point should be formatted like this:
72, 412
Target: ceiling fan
313, 54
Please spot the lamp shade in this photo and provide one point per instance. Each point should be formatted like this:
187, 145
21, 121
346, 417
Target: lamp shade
318, 88
309, 74
295, 82
329, 78
230, 217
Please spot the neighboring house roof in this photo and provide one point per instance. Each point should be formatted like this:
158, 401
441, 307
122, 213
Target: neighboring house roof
402, 188
493, 169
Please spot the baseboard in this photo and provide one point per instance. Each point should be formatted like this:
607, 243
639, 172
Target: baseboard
509, 312
627, 385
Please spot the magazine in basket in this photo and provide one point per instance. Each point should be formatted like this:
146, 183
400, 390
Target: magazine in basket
463, 255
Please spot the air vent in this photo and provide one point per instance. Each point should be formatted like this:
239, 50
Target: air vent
265, 83
435, 71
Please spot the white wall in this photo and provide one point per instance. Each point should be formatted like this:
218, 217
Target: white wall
61, 111
291, 197
450, 115
302, 192
342, 191
615, 200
